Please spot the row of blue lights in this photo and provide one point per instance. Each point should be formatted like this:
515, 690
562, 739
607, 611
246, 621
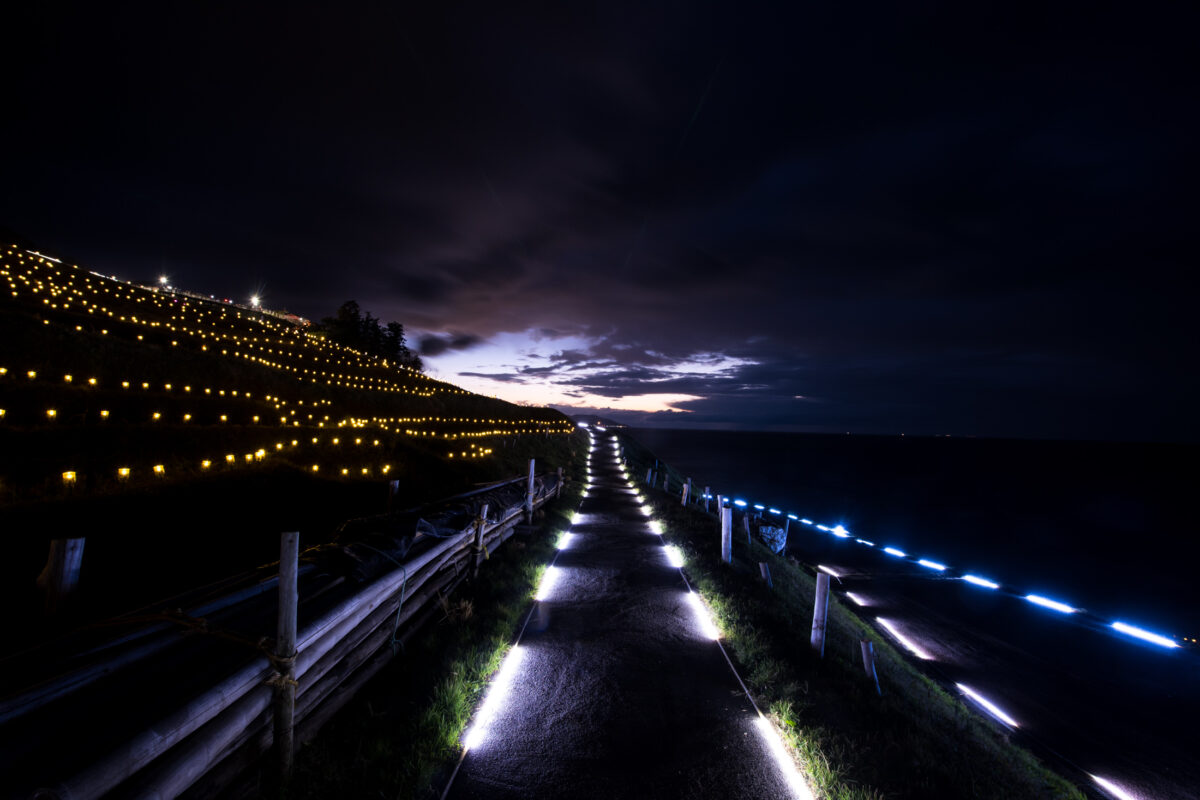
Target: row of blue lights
987, 705
1043, 602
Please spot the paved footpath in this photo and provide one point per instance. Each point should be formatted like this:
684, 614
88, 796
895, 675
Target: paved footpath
615, 691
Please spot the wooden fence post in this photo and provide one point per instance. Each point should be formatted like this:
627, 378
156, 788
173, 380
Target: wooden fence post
868, 659
529, 495
479, 525
393, 490
559, 487
60, 576
285, 652
684, 494
649, 475
746, 525
766, 573
707, 496
820, 614
727, 534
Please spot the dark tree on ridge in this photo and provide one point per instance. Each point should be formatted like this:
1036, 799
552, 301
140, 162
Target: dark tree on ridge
352, 328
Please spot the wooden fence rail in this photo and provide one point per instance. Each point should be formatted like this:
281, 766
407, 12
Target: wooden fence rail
213, 695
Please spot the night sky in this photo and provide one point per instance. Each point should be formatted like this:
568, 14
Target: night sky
811, 217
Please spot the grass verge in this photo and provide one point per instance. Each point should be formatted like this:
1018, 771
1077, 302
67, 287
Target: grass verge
914, 741
400, 738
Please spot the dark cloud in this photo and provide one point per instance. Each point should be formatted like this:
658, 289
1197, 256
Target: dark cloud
936, 219
431, 345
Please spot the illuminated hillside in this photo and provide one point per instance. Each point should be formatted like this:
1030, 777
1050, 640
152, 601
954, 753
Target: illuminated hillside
104, 382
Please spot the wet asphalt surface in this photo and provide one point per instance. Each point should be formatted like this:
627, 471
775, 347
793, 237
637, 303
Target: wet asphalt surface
618, 693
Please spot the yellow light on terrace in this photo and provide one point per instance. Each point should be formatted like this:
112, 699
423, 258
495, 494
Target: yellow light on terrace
68, 478
279, 445
255, 418
91, 381
187, 417
205, 464
68, 378
32, 374
51, 413
345, 471
260, 454
230, 458
123, 473
157, 415
124, 384
249, 458
158, 469
315, 468
224, 418
366, 471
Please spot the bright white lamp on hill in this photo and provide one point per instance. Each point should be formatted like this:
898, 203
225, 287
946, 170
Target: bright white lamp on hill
254, 300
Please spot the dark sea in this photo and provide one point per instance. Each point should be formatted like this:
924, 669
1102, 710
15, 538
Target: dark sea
1110, 527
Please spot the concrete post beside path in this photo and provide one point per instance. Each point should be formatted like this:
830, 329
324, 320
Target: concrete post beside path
820, 614
727, 534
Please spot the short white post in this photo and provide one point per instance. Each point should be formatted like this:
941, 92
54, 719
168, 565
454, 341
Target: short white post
727, 535
684, 494
649, 475
787, 526
690, 492
868, 658
766, 573
666, 481
529, 495
820, 614
285, 652
746, 525
707, 496
559, 487
60, 576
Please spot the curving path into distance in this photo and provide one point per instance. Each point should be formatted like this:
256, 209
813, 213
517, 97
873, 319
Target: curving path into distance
617, 687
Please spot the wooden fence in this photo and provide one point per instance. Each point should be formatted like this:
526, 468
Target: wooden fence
180, 703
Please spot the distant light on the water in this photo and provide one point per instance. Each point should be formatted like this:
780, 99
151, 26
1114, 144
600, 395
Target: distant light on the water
978, 581
893, 551
1054, 605
1144, 635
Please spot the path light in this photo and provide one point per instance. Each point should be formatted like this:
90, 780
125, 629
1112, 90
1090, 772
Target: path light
497, 695
988, 705
549, 578
783, 758
702, 617
1144, 635
924, 562
1053, 605
894, 551
978, 581
909, 645
1112, 788
674, 556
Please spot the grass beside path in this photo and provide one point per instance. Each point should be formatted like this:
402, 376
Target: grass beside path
916, 741
400, 737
